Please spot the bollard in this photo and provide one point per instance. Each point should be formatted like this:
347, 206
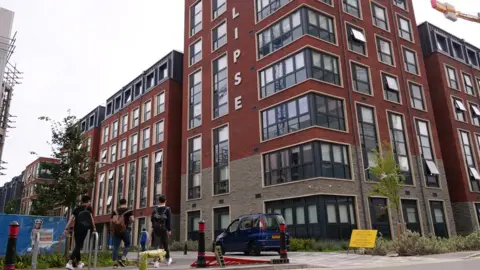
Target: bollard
35, 249
11, 246
283, 242
185, 248
201, 263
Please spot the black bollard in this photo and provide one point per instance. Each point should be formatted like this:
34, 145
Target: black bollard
185, 248
283, 243
11, 246
201, 263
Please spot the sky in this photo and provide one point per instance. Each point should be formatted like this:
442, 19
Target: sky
76, 54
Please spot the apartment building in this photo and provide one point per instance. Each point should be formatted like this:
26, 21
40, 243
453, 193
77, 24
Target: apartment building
284, 100
139, 156
453, 71
34, 174
11, 191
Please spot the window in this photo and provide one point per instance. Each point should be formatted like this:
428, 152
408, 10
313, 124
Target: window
195, 108
131, 182
361, 78
467, 81
157, 176
379, 16
352, 7
160, 103
125, 123
399, 146
219, 36
219, 7
356, 40
410, 59
452, 78
470, 161
91, 121
391, 89
220, 87
472, 57
193, 218
306, 161
133, 144
113, 153
442, 44
475, 114
105, 134
147, 110
302, 113
410, 215
159, 132
477, 210
325, 68
143, 182
196, 52
384, 49
416, 96
136, 116
128, 95
100, 195
221, 220
163, 72
123, 148
194, 167
196, 18
320, 26
221, 152
405, 29
426, 149
283, 74
379, 216
150, 80
138, 88
459, 110
367, 128
267, 7
114, 129
438, 217
111, 175
457, 50
146, 138
401, 4
89, 144
103, 159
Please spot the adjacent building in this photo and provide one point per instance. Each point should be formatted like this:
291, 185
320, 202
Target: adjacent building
34, 174
139, 152
284, 102
11, 195
453, 72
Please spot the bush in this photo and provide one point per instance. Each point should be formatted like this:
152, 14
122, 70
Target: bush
308, 245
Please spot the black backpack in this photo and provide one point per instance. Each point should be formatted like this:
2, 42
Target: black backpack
160, 221
84, 220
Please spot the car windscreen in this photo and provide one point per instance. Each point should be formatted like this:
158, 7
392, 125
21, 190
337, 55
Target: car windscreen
272, 222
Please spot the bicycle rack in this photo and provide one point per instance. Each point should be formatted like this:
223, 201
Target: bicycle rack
92, 246
35, 249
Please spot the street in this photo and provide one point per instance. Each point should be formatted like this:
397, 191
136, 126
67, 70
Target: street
471, 264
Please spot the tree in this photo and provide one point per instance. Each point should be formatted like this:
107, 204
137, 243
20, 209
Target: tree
71, 176
11, 207
390, 183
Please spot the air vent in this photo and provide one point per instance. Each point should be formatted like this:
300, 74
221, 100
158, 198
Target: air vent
194, 205
407, 192
435, 195
220, 201
258, 196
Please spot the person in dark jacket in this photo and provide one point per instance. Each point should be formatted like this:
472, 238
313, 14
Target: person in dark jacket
161, 224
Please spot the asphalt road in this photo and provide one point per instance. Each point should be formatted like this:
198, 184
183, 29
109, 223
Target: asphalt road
472, 264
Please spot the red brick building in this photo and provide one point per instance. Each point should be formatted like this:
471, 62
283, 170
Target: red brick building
35, 174
139, 152
453, 71
283, 102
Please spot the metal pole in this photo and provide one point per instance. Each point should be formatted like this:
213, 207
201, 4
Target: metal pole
94, 245
11, 246
35, 249
201, 263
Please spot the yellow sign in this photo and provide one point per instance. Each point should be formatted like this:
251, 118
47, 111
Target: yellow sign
363, 238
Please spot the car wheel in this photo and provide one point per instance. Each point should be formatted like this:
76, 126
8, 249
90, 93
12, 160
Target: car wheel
253, 249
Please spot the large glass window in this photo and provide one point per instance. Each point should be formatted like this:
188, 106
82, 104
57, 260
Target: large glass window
161, 103
404, 28
193, 218
441, 42
125, 123
475, 114
111, 175
146, 138
367, 127
426, 149
194, 167
123, 148
391, 88
361, 78
196, 18
470, 160
219, 36
220, 87
352, 7
267, 7
159, 131
410, 215
147, 110
452, 78
356, 40
132, 172
301, 113
121, 180
157, 176
416, 96
195, 108
438, 217
384, 49
143, 182
467, 82
114, 129
221, 220
410, 59
100, 194
293, 70
136, 117
379, 216
218, 7
321, 26
133, 143
379, 16
314, 159
459, 109
113, 153
105, 134
399, 145
220, 161
196, 52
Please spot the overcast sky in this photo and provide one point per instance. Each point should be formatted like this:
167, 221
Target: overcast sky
76, 54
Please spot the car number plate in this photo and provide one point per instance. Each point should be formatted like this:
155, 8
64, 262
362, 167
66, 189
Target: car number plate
276, 237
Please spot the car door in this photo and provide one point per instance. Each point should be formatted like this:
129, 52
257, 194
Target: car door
244, 231
230, 237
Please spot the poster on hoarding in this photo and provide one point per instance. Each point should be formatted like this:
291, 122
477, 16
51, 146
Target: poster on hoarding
50, 229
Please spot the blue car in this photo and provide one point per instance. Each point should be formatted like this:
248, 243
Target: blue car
253, 234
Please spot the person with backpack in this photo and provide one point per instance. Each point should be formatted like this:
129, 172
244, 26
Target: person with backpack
144, 239
120, 227
82, 220
161, 226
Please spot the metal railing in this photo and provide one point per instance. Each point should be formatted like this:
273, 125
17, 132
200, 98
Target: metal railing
35, 249
91, 246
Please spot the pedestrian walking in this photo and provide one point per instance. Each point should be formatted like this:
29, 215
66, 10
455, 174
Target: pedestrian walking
161, 225
82, 220
144, 239
120, 227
